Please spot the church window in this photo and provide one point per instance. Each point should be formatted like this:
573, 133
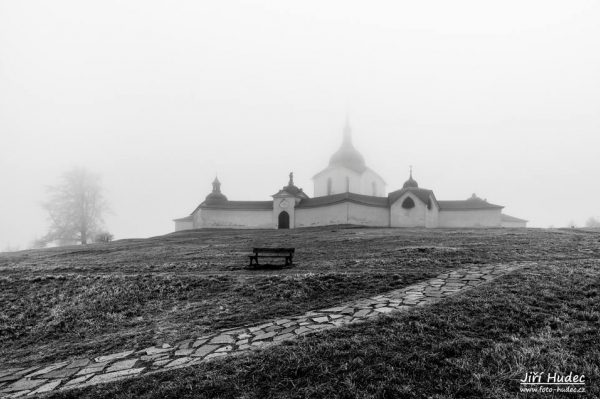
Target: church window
329, 186
347, 184
408, 203
429, 203
374, 188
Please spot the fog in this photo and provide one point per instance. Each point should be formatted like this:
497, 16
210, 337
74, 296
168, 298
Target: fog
499, 98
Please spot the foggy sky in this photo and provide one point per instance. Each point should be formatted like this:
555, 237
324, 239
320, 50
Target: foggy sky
498, 98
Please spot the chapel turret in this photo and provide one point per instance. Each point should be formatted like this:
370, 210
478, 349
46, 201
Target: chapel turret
216, 196
410, 182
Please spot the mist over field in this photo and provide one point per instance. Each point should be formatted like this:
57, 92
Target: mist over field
499, 99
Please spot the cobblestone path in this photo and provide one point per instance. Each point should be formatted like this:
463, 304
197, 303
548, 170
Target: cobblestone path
18, 382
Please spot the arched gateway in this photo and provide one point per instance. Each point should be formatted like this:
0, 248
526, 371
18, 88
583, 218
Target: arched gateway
284, 220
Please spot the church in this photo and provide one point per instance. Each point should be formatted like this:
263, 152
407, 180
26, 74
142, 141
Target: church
346, 192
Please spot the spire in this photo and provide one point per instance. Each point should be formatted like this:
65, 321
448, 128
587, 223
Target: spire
347, 129
410, 182
347, 155
292, 189
216, 185
216, 197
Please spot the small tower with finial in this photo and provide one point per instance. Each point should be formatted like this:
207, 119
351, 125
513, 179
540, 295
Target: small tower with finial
284, 204
216, 197
410, 182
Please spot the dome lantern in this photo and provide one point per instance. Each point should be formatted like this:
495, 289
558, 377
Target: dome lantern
410, 182
216, 196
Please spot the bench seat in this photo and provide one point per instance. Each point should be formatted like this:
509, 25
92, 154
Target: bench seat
287, 253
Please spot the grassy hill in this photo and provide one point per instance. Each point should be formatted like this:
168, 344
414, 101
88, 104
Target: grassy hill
64, 303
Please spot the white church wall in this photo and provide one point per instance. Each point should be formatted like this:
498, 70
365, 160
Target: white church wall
197, 219
322, 215
432, 215
239, 219
366, 184
338, 175
470, 218
413, 217
184, 225
368, 215
514, 224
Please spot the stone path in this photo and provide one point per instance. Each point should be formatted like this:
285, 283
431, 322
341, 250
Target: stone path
18, 382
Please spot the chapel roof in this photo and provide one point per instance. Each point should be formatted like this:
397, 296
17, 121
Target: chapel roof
292, 189
251, 205
421, 193
215, 196
342, 197
508, 218
410, 182
474, 202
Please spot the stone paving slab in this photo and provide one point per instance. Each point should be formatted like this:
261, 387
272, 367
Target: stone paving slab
79, 380
79, 363
113, 356
122, 365
117, 375
23, 385
15, 382
223, 339
205, 350
93, 368
63, 373
47, 369
47, 387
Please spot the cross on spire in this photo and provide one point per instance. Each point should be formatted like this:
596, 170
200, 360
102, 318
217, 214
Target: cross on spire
347, 129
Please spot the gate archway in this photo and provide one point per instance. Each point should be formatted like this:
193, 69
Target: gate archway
284, 220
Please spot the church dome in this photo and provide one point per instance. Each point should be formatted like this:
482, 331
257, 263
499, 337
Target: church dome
475, 198
410, 182
347, 155
216, 197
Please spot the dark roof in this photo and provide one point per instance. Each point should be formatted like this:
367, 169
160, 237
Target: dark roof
421, 193
293, 190
367, 200
410, 182
215, 197
508, 218
467, 205
241, 205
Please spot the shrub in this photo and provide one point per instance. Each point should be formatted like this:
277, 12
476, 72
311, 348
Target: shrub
103, 236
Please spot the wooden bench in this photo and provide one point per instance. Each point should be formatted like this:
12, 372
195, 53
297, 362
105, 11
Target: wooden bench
287, 253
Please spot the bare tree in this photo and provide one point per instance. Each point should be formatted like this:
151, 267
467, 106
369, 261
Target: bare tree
76, 208
592, 222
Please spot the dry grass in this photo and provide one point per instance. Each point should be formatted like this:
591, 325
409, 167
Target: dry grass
69, 302
476, 345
